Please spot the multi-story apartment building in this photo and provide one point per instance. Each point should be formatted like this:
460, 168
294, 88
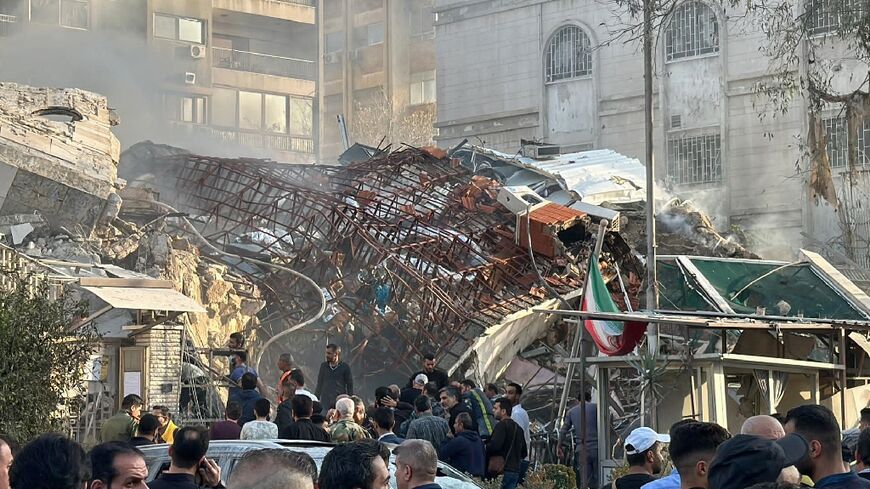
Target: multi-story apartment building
240, 73
378, 68
554, 71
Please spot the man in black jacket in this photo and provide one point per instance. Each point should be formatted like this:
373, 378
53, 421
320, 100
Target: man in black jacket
303, 428
432, 373
284, 411
188, 459
334, 378
509, 442
465, 450
452, 402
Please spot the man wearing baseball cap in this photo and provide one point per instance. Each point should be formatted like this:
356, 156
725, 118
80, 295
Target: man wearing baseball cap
409, 394
745, 460
643, 452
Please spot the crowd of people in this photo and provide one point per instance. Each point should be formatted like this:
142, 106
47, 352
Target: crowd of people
479, 431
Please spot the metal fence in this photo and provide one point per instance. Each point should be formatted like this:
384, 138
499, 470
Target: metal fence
7, 24
266, 64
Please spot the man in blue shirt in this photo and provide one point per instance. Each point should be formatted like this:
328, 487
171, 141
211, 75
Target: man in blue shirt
824, 465
240, 360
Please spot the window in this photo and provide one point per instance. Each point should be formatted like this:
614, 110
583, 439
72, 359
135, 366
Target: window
838, 142
223, 107
301, 116
185, 108
695, 159
422, 21
569, 55
423, 88
179, 29
827, 16
333, 42
75, 14
692, 31
375, 33
262, 112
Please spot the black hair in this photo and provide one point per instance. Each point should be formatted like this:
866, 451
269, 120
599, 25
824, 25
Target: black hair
429, 355
846, 453
775, 485
679, 423
248, 380
639, 459
517, 387
692, 442
451, 392
234, 410
296, 375
349, 466
333, 347
164, 411
384, 418
587, 396
465, 420
238, 336
492, 387
422, 404
302, 406
469, 383
131, 400
51, 461
262, 406
148, 423
815, 422
189, 446
382, 392
779, 417
243, 355
504, 403
318, 419
316, 407
863, 446
865, 415
103, 459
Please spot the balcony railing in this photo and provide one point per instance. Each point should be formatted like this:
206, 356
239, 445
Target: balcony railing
310, 3
277, 142
266, 64
7, 24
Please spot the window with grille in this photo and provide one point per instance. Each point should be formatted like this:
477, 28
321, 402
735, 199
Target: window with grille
695, 159
569, 54
838, 142
692, 31
826, 16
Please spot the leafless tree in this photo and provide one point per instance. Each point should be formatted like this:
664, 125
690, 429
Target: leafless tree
383, 121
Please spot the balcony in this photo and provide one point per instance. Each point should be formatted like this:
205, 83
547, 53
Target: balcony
7, 25
303, 11
275, 142
265, 64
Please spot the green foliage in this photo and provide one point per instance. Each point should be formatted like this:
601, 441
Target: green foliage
42, 355
560, 476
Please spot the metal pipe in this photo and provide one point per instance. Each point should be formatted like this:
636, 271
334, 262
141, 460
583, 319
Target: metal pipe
575, 349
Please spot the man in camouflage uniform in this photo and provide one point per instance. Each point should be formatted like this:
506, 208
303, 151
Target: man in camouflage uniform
346, 429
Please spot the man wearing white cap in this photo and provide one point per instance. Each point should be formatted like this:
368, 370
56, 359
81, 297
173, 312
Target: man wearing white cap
643, 452
410, 393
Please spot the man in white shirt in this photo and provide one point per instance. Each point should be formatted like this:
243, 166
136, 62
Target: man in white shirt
298, 380
261, 428
514, 393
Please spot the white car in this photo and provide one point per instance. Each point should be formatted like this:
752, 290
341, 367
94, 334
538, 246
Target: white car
226, 453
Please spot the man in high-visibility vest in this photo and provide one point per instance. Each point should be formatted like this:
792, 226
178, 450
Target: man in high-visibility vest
481, 407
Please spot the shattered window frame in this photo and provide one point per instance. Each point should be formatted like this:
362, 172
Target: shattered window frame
695, 158
69, 14
692, 31
177, 32
568, 55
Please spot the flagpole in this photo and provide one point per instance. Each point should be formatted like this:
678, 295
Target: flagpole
575, 350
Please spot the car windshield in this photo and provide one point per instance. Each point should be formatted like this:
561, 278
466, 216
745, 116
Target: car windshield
226, 454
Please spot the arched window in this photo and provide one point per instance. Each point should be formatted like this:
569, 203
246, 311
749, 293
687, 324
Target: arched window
692, 31
569, 54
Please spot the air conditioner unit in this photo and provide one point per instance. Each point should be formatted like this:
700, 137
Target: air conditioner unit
542, 151
330, 58
197, 51
190, 78
519, 199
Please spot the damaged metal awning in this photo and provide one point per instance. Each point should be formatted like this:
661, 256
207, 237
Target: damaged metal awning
142, 295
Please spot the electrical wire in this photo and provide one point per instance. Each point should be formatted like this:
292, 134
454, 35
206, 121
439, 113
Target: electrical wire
314, 284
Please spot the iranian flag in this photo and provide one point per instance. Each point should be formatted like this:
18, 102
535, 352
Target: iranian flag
611, 337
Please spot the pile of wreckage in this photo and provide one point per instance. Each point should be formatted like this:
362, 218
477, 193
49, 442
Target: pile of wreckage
413, 250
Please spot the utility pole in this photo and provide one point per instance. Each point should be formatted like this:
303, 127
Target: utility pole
652, 283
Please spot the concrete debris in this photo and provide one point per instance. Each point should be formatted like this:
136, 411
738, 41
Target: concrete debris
57, 154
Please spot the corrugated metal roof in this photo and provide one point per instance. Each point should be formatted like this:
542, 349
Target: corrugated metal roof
596, 176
